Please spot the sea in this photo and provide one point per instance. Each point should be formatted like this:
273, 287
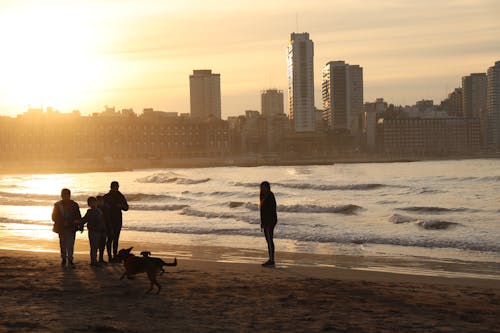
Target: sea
415, 212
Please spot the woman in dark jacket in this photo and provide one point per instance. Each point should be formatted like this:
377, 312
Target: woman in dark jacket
268, 219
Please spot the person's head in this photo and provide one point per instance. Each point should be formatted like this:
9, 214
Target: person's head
65, 194
100, 200
114, 185
92, 202
265, 187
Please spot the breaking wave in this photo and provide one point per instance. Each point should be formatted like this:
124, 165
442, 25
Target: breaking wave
158, 207
435, 210
437, 224
171, 178
397, 219
339, 209
219, 215
322, 187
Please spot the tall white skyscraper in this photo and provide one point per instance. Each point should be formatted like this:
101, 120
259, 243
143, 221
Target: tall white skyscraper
493, 105
301, 82
342, 93
205, 95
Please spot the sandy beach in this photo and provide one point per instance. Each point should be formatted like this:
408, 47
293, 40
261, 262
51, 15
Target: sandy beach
38, 295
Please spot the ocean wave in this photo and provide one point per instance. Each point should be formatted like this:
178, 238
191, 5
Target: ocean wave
169, 178
219, 215
437, 224
4, 220
397, 219
490, 179
147, 197
158, 207
348, 209
435, 210
323, 187
322, 237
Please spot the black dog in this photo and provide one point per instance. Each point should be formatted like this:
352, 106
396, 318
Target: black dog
145, 264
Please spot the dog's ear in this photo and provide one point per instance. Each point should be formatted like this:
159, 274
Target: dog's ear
130, 249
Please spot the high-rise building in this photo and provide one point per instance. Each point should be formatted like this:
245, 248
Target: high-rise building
301, 82
493, 105
342, 92
272, 103
474, 95
205, 98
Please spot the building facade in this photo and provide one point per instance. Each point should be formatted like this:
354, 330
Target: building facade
493, 106
342, 93
205, 95
272, 103
474, 95
300, 59
431, 137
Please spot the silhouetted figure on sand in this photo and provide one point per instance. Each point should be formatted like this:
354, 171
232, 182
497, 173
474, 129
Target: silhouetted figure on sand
96, 226
115, 202
268, 219
109, 236
67, 220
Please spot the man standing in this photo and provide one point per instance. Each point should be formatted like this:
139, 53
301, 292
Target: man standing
67, 220
115, 203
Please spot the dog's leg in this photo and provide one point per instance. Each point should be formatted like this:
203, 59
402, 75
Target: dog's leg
123, 276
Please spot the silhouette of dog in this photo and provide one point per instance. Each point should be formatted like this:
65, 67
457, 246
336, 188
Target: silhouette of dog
145, 264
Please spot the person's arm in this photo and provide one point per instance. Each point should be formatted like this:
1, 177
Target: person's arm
55, 213
124, 203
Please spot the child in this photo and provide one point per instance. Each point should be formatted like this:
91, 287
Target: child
94, 219
101, 205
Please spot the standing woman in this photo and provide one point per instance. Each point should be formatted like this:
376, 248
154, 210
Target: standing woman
268, 219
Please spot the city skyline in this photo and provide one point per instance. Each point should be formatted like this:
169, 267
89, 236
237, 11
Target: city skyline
87, 55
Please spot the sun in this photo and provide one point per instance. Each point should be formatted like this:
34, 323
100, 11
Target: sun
47, 56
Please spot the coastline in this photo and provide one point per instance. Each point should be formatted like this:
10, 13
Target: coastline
38, 295
117, 165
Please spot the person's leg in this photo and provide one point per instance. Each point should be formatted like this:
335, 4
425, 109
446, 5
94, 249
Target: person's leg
102, 245
116, 237
70, 245
62, 247
109, 242
269, 234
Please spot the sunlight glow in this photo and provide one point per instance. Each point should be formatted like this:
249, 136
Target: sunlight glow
49, 60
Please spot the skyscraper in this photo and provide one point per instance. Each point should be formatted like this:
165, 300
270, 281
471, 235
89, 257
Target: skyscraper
342, 93
205, 95
301, 82
493, 105
272, 102
474, 95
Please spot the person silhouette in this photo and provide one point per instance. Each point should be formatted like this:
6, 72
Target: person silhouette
268, 219
67, 220
115, 202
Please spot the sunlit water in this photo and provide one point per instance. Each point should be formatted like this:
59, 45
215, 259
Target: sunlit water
439, 210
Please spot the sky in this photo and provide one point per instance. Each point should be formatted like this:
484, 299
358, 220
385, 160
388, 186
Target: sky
139, 54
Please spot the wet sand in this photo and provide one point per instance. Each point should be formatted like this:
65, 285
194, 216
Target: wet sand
38, 295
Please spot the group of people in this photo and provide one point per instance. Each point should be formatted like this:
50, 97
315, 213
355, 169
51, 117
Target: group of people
103, 220
104, 223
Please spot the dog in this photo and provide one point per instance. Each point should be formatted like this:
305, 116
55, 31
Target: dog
145, 264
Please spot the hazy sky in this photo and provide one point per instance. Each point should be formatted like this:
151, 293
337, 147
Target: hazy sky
86, 54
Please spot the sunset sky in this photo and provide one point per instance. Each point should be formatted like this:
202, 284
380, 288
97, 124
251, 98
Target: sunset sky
139, 54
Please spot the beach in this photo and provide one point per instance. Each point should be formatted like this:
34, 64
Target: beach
202, 295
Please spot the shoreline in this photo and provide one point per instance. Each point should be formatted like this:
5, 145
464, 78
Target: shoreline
91, 165
360, 261
38, 295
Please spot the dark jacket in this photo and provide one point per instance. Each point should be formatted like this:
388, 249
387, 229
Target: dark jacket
115, 202
268, 215
94, 218
64, 215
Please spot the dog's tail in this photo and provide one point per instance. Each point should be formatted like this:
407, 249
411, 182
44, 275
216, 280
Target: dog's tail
170, 263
